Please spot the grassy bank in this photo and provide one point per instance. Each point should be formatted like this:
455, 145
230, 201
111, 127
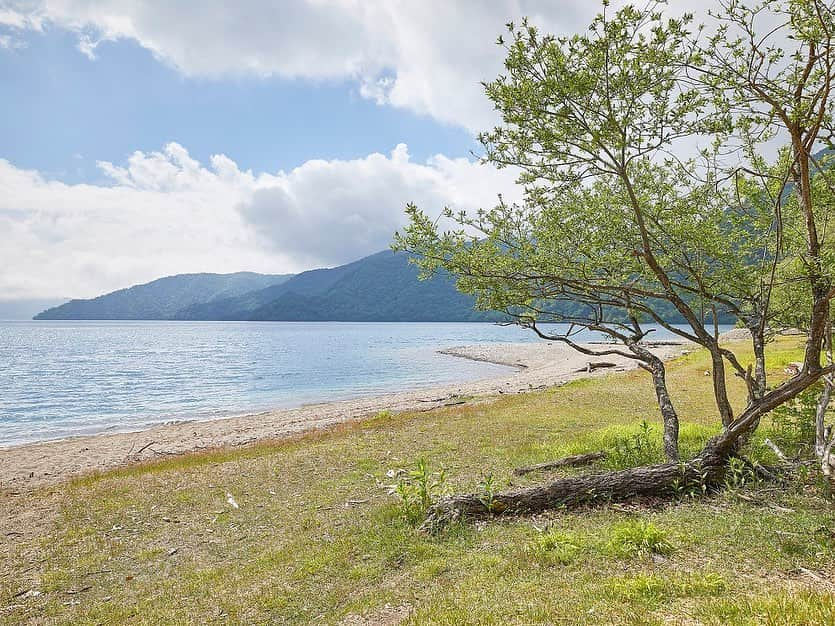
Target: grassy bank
314, 537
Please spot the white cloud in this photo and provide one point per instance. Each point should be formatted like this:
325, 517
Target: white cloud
165, 212
423, 56
336, 211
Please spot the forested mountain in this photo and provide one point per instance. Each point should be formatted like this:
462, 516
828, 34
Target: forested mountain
380, 287
383, 287
161, 299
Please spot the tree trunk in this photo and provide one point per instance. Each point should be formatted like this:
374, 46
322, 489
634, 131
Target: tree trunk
819, 283
720, 390
655, 367
758, 342
820, 418
656, 480
823, 433
668, 412
758, 383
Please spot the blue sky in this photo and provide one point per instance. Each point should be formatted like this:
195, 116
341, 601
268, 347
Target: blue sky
141, 138
62, 112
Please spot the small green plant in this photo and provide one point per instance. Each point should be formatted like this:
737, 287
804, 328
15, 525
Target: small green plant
794, 545
488, 492
679, 485
793, 424
646, 588
708, 584
653, 589
417, 489
634, 450
639, 538
738, 474
824, 539
553, 548
690, 485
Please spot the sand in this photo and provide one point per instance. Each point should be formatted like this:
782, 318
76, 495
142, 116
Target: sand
535, 365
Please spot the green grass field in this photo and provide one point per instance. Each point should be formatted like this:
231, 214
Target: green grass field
316, 538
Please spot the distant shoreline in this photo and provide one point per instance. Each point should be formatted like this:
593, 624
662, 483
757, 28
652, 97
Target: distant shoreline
539, 365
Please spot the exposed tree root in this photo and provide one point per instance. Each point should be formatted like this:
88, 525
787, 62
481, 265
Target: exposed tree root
568, 461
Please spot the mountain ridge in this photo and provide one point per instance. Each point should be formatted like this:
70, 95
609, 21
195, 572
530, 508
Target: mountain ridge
382, 287
162, 298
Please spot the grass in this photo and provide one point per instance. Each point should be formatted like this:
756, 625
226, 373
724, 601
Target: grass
636, 538
317, 538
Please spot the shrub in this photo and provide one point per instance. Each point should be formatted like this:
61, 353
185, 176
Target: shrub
793, 424
417, 489
738, 474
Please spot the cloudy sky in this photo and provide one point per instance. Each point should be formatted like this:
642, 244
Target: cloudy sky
140, 138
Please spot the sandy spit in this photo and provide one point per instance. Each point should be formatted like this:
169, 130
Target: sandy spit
537, 365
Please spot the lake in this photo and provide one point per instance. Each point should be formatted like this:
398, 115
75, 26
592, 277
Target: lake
75, 378
62, 379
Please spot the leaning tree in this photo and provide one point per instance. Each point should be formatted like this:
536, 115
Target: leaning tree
624, 222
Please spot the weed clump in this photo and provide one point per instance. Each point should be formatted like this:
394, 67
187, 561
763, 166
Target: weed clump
417, 489
553, 548
634, 450
639, 538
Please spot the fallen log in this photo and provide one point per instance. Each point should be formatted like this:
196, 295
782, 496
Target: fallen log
666, 479
596, 365
569, 461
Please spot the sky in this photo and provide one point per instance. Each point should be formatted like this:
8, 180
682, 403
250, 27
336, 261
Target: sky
140, 139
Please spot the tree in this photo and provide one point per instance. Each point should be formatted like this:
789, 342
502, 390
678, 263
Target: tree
784, 92
619, 224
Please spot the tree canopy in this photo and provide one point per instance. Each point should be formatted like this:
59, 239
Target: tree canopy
642, 147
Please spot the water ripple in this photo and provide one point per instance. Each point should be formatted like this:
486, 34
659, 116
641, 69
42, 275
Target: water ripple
60, 379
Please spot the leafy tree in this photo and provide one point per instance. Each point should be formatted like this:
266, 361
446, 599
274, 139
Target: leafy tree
616, 221
776, 83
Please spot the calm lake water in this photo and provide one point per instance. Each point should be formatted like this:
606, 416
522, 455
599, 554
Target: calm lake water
73, 378
60, 379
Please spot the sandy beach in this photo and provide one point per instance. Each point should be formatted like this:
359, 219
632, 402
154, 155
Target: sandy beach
537, 365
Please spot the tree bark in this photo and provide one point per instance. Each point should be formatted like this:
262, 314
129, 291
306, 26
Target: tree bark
823, 433
759, 381
820, 419
655, 366
757, 384
655, 480
720, 389
668, 412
